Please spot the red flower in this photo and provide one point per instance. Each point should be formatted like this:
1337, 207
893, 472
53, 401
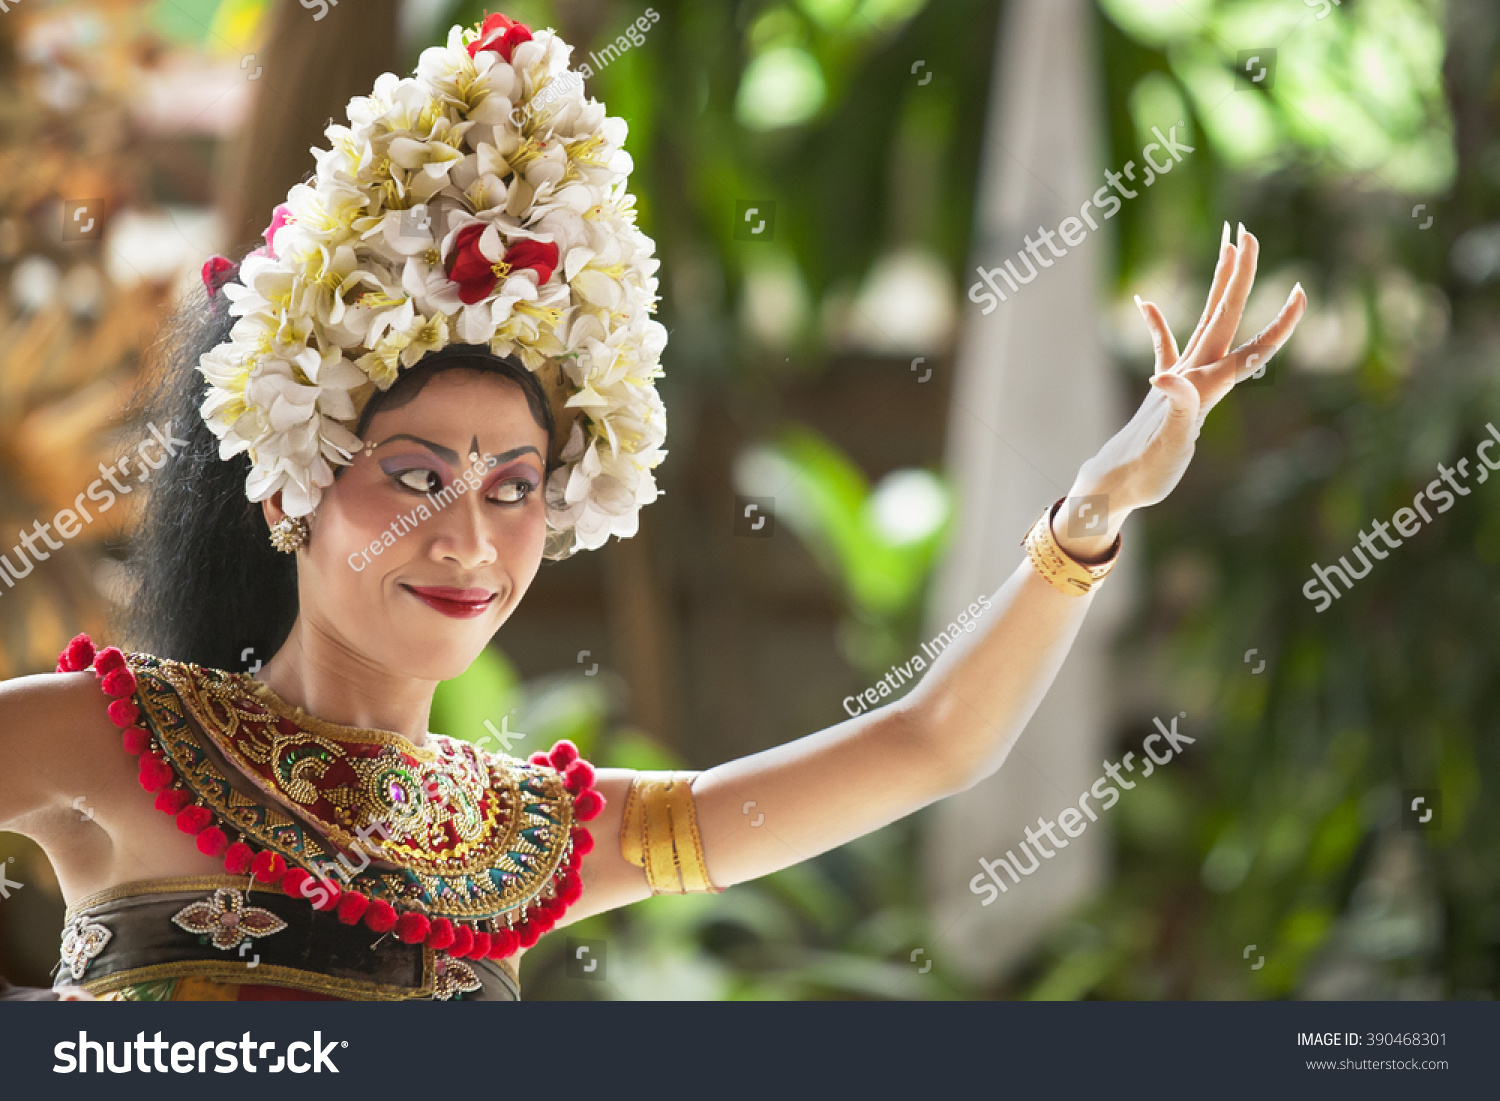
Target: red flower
501, 35
539, 256
216, 272
474, 272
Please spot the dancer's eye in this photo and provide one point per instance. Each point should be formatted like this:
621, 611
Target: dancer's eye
420, 479
512, 492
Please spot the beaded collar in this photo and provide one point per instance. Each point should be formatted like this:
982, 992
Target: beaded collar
446, 844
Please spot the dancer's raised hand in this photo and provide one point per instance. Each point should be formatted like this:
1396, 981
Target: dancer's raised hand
1146, 459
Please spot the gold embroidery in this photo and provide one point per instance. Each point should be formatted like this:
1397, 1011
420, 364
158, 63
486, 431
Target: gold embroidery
161, 885
227, 919
82, 941
451, 976
278, 975
474, 835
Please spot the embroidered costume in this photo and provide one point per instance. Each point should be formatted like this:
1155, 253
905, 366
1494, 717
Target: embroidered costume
357, 864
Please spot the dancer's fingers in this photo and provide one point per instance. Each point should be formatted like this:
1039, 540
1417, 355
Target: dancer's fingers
1163, 343
1222, 271
1220, 332
1252, 356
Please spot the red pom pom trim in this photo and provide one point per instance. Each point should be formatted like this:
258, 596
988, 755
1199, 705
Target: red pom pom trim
412, 927
350, 907
583, 841
119, 684
212, 841
155, 773
440, 935
381, 916
268, 867
194, 820
292, 882
588, 805
77, 656
563, 754
173, 800
237, 858
108, 660
579, 776
123, 713
504, 943
325, 895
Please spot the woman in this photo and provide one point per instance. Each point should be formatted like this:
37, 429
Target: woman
438, 371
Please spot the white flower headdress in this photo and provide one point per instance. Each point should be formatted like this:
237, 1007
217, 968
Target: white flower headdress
454, 210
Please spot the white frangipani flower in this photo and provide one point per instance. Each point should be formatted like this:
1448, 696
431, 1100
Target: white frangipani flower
374, 265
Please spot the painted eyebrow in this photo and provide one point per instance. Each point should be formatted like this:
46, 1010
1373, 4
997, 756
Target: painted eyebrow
437, 449
513, 452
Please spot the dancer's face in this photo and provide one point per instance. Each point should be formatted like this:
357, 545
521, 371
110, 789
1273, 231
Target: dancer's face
426, 543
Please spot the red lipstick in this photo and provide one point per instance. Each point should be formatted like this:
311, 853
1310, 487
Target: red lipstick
455, 603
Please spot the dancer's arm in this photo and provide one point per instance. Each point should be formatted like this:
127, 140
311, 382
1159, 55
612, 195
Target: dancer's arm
51, 726
956, 726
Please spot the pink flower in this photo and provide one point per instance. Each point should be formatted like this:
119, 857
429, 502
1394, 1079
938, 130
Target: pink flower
279, 217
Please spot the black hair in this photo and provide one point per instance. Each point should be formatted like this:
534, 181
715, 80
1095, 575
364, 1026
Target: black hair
206, 586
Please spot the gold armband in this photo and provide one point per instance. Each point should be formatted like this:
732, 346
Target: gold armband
1062, 570
659, 832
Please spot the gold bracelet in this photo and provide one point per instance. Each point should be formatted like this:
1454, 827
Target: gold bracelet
659, 832
1062, 570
